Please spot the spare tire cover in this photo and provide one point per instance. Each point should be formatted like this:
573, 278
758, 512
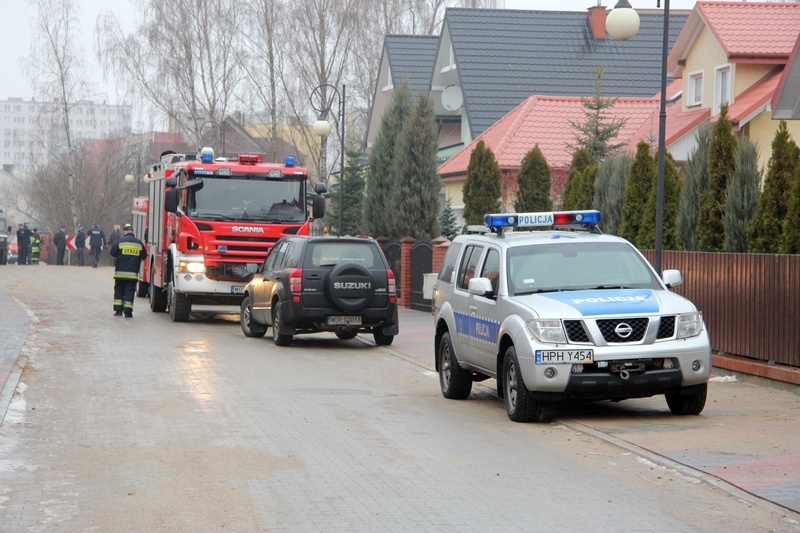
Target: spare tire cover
350, 287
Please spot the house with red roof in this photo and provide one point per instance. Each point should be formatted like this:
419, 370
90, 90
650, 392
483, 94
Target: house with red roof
726, 52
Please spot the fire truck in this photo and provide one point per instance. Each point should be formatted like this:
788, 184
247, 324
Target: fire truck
208, 224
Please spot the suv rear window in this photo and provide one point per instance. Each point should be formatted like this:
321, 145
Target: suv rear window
322, 254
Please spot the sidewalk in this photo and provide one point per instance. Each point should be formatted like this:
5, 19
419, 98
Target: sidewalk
748, 436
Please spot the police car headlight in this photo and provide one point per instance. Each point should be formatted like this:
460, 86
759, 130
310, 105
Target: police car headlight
547, 331
690, 325
193, 267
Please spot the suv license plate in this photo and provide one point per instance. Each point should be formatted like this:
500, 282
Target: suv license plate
563, 357
237, 289
344, 320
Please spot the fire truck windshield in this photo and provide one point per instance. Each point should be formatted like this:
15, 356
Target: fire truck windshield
255, 200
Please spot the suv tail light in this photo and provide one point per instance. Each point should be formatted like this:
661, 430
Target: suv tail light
296, 283
392, 286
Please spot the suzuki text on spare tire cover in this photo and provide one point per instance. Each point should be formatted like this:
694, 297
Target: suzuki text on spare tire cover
564, 313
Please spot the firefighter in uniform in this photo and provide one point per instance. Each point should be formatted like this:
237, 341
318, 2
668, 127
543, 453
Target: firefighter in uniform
36, 246
129, 252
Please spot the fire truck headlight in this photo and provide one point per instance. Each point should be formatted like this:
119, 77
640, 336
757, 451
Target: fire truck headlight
193, 267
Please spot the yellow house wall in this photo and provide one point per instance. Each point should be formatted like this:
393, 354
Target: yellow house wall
706, 55
762, 132
453, 190
747, 75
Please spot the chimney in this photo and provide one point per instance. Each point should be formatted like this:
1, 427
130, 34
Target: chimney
597, 21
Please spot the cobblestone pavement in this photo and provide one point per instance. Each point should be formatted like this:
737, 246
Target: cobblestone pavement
146, 425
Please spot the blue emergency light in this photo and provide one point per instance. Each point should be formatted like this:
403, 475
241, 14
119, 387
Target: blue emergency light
207, 155
548, 219
289, 161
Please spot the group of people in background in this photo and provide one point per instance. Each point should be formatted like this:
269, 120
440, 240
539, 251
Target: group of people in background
29, 244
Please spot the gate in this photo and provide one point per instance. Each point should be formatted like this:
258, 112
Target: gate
392, 252
421, 263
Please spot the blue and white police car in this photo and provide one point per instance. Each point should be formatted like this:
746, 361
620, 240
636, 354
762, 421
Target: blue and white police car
564, 313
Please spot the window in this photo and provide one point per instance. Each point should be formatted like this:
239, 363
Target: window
491, 268
722, 88
695, 89
469, 264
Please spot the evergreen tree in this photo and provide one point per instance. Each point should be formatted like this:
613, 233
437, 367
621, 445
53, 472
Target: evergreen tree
414, 197
608, 191
641, 178
533, 180
447, 221
577, 184
742, 197
353, 201
764, 231
646, 238
482, 188
721, 155
694, 185
790, 239
377, 207
597, 132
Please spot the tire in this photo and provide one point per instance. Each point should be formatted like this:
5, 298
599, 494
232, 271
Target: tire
278, 334
250, 327
179, 305
520, 406
4, 257
689, 404
350, 300
346, 335
142, 288
455, 382
158, 299
381, 339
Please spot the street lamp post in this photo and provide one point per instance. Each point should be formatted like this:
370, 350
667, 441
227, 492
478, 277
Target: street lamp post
322, 127
623, 23
129, 178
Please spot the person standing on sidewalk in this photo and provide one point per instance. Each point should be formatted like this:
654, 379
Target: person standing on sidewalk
80, 243
116, 235
60, 240
36, 246
129, 252
97, 239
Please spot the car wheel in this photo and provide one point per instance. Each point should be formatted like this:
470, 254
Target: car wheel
455, 382
158, 299
689, 404
278, 335
520, 406
179, 305
346, 334
250, 328
381, 339
349, 287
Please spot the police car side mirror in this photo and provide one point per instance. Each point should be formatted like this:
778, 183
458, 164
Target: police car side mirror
480, 287
672, 278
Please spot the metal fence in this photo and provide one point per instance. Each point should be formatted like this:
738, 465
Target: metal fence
750, 302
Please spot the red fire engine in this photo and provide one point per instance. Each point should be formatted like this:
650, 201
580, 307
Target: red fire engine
210, 223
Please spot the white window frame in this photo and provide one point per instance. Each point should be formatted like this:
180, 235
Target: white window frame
719, 97
389, 85
451, 65
695, 79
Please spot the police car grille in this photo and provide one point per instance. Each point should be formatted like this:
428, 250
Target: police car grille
609, 329
575, 331
666, 330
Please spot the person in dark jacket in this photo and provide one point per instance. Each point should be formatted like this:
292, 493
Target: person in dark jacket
116, 235
60, 240
21, 243
36, 246
129, 252
80, 243
97, 239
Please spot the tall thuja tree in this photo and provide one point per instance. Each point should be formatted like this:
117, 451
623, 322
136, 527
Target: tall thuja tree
577, 185
415, 190
482, 187
598, 131
641, 178
742, 198
647, 230
694, 185
790, 238
767, 224
533, 180
608, 191
448, 223
721, 161
377, 206
353, 201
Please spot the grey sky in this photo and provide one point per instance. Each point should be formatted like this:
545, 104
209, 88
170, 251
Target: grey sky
15, 32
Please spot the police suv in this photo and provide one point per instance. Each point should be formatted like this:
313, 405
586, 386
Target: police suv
564, 313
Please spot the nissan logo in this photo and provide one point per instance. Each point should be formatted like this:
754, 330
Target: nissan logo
623, 330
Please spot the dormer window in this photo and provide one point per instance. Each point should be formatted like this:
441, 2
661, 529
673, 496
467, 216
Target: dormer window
388, 86
694, 91
722, 87
451, 63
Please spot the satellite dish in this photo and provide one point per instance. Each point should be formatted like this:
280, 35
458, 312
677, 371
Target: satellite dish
452, 99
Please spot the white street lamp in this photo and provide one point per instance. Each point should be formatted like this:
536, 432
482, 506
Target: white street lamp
322, 128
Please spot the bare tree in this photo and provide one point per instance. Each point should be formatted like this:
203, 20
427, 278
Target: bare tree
181, 58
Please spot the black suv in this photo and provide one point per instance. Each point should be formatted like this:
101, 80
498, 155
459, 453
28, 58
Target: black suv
312, 284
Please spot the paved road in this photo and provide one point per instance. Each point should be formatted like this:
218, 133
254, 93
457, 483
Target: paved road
145, 425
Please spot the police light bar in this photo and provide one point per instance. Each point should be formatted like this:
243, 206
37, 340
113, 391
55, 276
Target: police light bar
289, 162
549, 219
